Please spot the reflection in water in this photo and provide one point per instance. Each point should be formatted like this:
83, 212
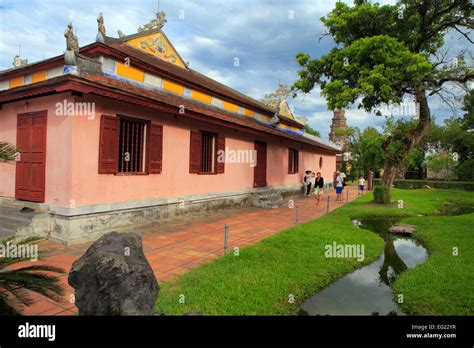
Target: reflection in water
368, 290
392, 265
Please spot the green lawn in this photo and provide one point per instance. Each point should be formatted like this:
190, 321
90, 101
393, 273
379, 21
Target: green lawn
292, 264
444, 285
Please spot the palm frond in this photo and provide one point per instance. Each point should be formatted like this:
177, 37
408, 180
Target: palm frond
17, 284
40, 283
7, 152
5, 308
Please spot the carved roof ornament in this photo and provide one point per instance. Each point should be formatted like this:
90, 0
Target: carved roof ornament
274, 99
72, 42
120, 34
156, 23
101, 28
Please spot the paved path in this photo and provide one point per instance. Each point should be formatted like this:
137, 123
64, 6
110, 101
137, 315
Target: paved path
175, 248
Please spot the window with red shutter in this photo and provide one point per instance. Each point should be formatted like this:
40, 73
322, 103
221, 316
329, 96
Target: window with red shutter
220, 155
195, 153
155, 149
108, 145
204, 153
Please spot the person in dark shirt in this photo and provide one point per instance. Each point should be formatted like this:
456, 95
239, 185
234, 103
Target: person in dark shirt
318, 187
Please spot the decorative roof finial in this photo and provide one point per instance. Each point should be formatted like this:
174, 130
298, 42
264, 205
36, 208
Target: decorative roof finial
72, 42
101, 28
156, 23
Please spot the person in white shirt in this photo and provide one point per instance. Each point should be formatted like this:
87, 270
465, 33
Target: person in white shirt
308, 181
339, 186
361, 183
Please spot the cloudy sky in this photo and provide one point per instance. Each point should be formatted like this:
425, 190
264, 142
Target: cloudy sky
265, 35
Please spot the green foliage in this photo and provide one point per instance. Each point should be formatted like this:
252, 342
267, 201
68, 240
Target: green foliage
382, 195
7, 152
343, 167
465, 170
370, 69
384, 54
367, 151
454, 138
15, 282
372, 156
415, 160
312, 131
468, 119
419, 184
442, 163
399, 132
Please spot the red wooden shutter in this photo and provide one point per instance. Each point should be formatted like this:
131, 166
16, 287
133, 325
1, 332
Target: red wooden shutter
108, 145
297, 161
195, 152
155, 149
290, 161
220, 152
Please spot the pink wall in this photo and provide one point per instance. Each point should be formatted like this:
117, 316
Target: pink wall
277, 162
58, 148
73, 148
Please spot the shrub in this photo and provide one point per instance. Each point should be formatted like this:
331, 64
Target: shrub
419, 184
382, 195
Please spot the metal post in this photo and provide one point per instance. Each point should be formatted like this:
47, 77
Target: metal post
347, 196
297, 215
328, 205
226, 238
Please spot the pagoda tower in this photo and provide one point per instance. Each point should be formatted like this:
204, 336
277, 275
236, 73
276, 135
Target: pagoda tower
338, 123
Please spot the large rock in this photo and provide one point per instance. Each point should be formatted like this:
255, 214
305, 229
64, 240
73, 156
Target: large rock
113, 277
402, 229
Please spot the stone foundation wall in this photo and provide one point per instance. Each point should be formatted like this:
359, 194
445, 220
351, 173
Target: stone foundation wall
84, 224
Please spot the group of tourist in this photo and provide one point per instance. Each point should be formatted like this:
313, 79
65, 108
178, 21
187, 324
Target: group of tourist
339, 184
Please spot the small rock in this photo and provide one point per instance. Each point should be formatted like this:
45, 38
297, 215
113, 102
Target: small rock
402, 229
426, 187
114, 277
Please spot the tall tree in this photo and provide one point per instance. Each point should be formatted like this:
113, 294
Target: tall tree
386, 53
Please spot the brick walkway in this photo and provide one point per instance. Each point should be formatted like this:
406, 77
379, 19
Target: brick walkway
175, 248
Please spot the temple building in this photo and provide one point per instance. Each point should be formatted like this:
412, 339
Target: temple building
122, 132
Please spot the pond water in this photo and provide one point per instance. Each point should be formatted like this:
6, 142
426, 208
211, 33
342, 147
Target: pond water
368, 291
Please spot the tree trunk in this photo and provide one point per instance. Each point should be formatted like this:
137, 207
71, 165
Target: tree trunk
394, 164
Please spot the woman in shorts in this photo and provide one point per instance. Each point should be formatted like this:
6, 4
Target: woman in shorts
318, 187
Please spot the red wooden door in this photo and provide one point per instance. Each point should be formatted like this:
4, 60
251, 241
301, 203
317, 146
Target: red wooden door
260, 170
31, 167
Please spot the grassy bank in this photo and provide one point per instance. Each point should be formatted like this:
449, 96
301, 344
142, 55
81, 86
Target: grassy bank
444, 285
265, 277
